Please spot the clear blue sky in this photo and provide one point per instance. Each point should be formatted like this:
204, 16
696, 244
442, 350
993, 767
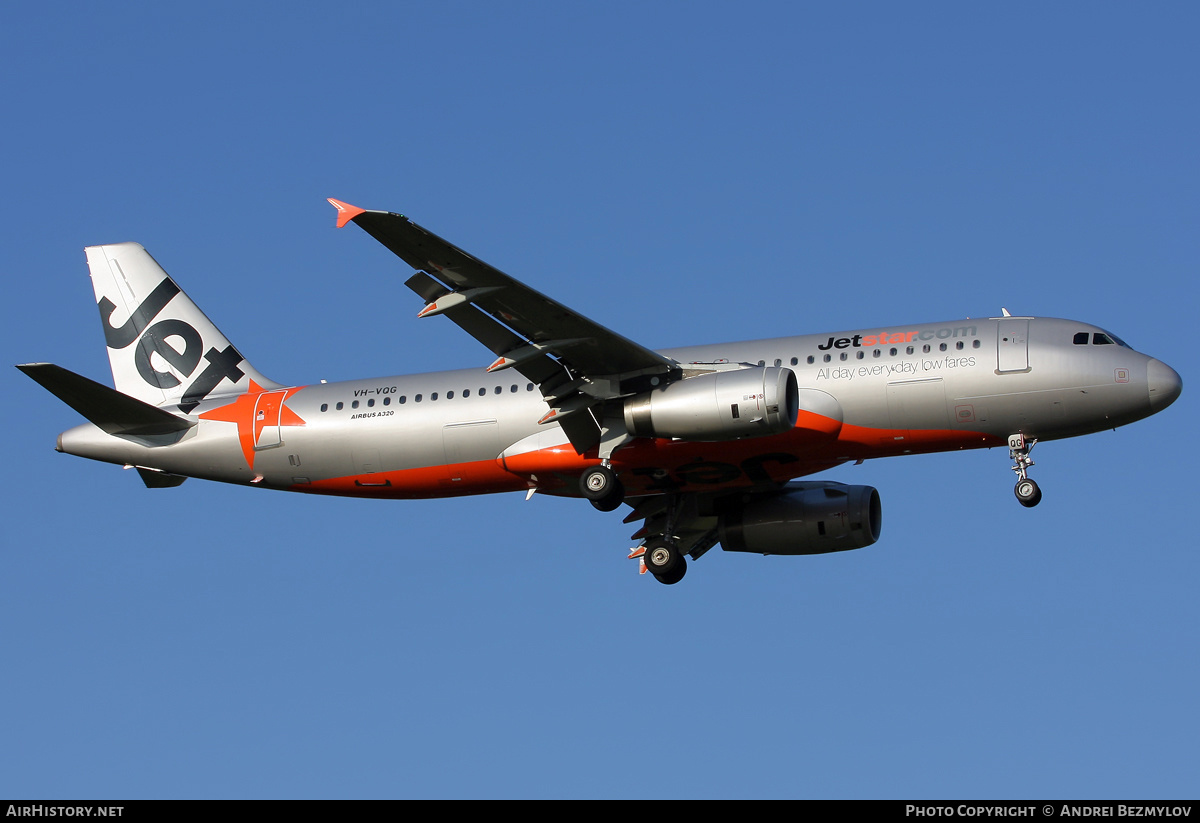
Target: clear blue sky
683, 173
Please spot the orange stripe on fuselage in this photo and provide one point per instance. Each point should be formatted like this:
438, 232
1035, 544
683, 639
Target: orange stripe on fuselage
660, 466
478, 477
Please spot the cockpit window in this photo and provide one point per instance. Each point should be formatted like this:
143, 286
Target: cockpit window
1099, 338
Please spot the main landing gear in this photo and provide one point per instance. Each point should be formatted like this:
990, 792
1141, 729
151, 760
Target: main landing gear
1027, 491
664, 560
661, 555
600, 485
664, 552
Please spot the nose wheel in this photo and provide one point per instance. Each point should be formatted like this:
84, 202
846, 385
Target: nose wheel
1027, 491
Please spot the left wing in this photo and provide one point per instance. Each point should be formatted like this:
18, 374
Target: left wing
577, 363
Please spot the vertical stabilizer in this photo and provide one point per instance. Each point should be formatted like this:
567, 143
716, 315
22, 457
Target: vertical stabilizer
161, 347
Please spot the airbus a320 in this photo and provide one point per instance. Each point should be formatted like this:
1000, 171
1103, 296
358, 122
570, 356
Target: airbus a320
704, 444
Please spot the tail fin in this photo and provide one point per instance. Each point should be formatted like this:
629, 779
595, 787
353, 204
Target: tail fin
161, 347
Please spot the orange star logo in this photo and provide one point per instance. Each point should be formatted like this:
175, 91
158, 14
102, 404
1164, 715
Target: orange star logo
259, 415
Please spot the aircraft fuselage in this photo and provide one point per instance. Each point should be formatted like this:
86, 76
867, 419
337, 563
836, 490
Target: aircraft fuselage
863, 394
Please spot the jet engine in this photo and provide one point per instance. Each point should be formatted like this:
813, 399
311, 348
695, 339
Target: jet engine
723, 405
803, 518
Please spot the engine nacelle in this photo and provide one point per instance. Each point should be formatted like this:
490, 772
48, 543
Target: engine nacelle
804, 518
724, 405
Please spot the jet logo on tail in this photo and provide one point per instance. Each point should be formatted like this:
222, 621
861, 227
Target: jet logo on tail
169, 349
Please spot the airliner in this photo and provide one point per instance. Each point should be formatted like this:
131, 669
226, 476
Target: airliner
705, 445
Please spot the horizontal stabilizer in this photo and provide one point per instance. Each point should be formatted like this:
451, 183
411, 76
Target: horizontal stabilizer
112, 411
155, 479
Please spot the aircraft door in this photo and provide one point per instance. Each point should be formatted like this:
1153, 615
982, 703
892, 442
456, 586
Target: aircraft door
267, 410
471, 441
1012, 345
917, 404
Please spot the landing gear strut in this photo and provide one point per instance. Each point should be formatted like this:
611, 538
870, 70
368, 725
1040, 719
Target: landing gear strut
600, 485
1027, 491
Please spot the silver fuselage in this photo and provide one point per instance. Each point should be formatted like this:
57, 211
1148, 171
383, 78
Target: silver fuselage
868, 393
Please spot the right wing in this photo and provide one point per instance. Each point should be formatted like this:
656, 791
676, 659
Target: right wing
577, 363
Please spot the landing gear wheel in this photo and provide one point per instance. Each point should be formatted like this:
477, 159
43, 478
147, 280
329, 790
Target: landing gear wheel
675, 576
1027, 492
599, 485
663, 560
610, 504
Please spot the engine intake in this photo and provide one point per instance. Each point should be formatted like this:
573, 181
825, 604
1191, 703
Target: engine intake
724, 405
804, 518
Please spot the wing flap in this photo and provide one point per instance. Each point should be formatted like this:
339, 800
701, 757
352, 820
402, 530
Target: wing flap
688, 519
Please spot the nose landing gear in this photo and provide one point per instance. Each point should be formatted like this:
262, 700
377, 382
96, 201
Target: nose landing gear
1027, 491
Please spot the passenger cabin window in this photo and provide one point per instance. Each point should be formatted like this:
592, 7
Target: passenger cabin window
324, 407
339, 405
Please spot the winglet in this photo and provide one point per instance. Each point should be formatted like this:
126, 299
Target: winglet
346, 212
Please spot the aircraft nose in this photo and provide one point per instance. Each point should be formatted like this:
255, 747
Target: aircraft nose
1165, 384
